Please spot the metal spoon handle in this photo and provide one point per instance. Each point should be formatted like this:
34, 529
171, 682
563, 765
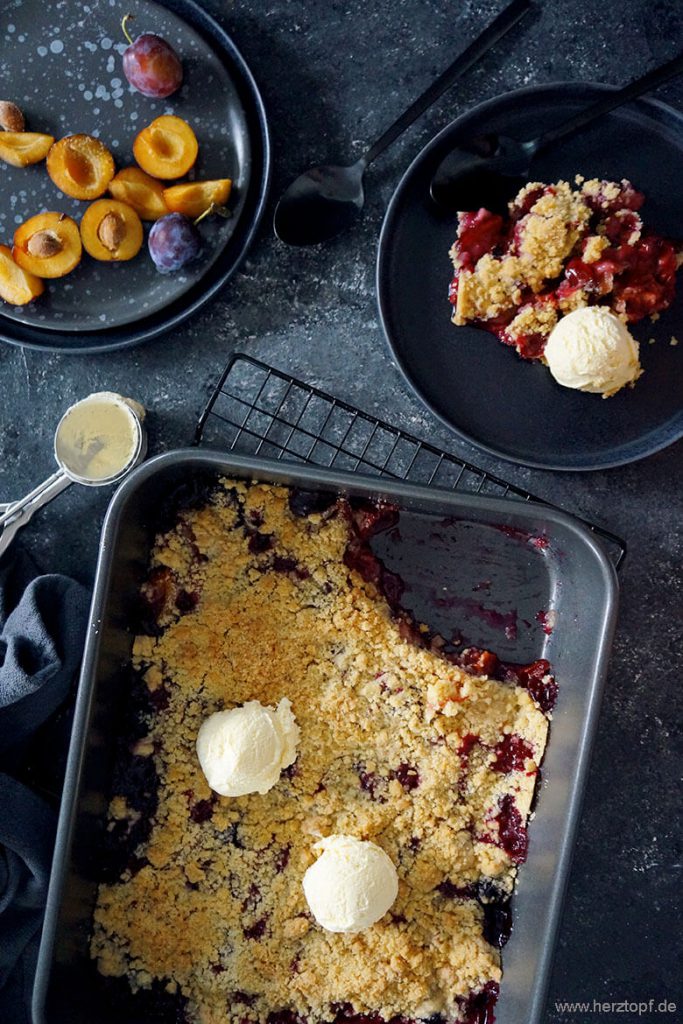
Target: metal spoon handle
614, 99
36, 498
488, 38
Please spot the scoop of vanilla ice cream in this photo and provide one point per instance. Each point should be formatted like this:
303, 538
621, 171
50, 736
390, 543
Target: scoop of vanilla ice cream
592, 350
351, 885
244, 750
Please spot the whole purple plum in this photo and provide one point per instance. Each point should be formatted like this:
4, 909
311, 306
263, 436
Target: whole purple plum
173, 242
151, 65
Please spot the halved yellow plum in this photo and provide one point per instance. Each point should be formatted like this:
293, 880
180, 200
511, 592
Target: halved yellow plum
193, 198
47, 245
81, 166
23, 148
17, 286
111, 230
166, 148
144, 193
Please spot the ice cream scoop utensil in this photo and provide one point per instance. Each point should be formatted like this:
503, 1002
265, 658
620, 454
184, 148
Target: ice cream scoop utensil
7, 535
14, 515
325, 200
490, 169
35, 499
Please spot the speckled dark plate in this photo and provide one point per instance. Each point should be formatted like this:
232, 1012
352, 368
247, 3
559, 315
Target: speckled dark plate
62, 65
482, 389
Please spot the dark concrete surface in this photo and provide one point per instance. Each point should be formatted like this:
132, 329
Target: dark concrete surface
333, 74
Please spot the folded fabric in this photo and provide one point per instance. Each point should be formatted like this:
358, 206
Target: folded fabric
27, 827
42, 628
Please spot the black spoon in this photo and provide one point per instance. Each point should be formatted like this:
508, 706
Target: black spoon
325, 200
491, 169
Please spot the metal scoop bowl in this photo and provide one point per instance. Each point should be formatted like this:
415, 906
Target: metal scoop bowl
73, 467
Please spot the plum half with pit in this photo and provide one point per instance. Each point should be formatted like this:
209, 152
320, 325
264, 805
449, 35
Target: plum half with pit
151, 65
174, 241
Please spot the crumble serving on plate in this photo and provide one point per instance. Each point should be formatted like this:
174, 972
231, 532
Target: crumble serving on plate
561, 247
264, 593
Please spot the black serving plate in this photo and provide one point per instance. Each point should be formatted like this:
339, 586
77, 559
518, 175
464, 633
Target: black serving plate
63, 66
482, 389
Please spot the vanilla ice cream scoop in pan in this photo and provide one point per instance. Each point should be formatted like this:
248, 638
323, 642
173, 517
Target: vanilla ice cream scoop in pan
351, 885
245, 749
97, 441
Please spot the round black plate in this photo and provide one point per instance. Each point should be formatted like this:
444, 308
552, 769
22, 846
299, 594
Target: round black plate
101, 307
481, 388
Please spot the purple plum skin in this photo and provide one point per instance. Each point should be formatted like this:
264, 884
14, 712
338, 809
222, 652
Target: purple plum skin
152, 66
173, 242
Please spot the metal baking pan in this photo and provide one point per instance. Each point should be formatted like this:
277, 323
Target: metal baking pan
525, 559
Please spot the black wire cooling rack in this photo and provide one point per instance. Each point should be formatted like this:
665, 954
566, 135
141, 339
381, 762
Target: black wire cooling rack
258, 410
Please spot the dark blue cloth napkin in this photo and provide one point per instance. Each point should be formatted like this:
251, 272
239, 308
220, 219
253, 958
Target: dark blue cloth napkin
42, 628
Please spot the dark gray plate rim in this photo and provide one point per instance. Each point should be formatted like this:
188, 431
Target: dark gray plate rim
660, 439
127, 336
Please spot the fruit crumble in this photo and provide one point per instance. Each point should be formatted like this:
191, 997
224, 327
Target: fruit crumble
259, 593
560, 248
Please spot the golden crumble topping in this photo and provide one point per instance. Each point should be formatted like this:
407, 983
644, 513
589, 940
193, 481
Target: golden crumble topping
494, 287
561, 247
602, 192
533, 319
574, 300
594, 247
398, 745
549, 232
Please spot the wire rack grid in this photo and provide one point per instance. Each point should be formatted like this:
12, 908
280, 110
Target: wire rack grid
256, 409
